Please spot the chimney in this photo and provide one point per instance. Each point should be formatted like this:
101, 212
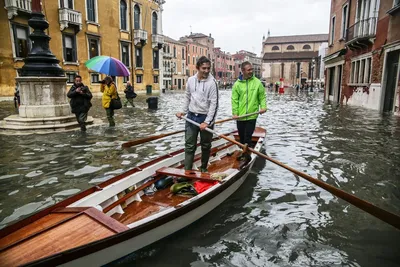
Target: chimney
210, 35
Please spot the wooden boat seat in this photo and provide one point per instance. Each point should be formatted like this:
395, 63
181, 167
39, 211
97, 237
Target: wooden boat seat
185, 174
66, 228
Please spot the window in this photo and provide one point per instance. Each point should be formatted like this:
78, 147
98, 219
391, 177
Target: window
95, 78
332, 37
125, 53
67, 3
361, 71
69, 48
91, 10
155, 78
275, 48
139, 57
345, 18
174, 52
125, 79
71, 77
154, 20
155, 59
306, 47
122, 11
188, 59
136, 17
183, 53
290, 47
21, 41
183, 81
139, 78
93, 47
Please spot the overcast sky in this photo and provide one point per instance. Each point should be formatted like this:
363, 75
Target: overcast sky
240, 24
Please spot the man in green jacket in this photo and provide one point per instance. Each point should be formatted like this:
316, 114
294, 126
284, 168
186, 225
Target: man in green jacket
248, 96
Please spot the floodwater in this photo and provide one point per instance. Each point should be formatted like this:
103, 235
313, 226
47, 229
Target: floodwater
274, 219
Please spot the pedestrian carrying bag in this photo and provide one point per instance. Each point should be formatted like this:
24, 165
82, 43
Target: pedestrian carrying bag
116, 102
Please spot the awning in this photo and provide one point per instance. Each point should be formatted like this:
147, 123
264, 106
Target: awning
334, 56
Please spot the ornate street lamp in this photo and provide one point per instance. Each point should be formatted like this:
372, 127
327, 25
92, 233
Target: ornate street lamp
40, 60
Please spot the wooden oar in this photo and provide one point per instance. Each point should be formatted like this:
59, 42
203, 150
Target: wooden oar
155, 137
386, 216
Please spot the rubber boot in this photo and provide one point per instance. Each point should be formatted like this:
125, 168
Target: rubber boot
83, 126
111, 122
189, 158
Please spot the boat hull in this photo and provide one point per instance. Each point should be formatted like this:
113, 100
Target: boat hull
129, 246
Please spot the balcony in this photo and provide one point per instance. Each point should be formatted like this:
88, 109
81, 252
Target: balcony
361, 33
15, 6
167, 55
140, 37
395, 10
69, 17
157, 41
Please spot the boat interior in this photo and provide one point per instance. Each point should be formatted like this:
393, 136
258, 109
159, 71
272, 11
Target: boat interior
124, 206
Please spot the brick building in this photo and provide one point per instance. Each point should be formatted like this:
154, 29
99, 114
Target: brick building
194, 50
224, 67
290, 58
363, 54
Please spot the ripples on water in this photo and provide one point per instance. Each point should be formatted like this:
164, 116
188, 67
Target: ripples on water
274, 219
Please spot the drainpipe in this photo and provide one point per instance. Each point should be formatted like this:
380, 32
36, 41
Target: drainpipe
133, 51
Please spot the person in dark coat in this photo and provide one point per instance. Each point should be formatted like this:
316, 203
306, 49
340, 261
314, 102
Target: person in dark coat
80, 101
129, 94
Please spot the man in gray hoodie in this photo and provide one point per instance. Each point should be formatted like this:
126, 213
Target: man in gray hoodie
201, 105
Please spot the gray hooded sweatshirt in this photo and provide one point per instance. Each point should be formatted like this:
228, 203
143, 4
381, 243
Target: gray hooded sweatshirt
202, 97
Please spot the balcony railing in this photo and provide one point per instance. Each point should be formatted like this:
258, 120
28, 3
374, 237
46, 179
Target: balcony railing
69, 16
157, 40
362, 29
13, 6
140, 36
167, 55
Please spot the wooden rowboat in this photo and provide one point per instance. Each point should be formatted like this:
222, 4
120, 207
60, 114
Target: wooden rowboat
116, 218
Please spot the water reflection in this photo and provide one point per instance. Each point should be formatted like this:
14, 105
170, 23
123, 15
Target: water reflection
274, 219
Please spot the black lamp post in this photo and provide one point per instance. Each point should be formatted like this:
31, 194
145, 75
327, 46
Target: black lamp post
40, 61
312, 75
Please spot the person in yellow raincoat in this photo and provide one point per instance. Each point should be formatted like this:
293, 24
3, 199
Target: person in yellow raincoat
109, 91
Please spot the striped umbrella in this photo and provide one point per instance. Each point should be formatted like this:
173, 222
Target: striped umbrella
107, 65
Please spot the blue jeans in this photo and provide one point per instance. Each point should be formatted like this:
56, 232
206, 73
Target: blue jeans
191, 134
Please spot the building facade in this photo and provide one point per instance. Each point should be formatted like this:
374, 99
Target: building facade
194, 51
79, 31
224, 67
293, 59
362, 62
174, 64
243, 56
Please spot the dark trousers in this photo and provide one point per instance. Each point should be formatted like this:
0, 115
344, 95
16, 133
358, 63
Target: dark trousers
191, 134
129, 100
81, 119
246, 130
110, 116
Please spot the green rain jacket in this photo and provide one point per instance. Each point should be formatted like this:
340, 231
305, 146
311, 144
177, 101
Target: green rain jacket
248, 96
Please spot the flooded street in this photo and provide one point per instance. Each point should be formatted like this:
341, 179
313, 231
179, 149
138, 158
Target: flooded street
274, 219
